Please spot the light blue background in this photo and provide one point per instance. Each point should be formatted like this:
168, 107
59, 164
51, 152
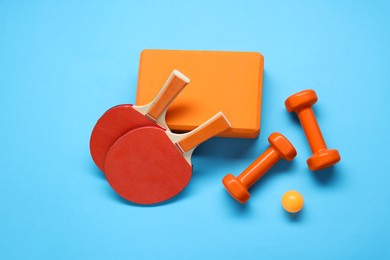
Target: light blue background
63, 63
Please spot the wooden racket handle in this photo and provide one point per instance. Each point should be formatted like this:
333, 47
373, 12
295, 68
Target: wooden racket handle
173, 86
208, 129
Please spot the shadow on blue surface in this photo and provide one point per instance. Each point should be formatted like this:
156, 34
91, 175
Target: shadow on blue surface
226, 148
294, 119
326, 176
295, 217
236, 208
96, 171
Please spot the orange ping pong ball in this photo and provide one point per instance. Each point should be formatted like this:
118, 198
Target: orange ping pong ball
292, 201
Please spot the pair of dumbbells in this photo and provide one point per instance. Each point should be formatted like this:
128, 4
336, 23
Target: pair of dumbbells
281, 147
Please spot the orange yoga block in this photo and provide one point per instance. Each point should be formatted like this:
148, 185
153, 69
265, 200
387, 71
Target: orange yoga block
230, 82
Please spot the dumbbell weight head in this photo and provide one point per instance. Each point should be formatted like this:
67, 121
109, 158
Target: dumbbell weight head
236, 188
302, 99
283, 146
323, 159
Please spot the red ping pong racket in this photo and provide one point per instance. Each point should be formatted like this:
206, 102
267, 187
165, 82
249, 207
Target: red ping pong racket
118, 120
149, 165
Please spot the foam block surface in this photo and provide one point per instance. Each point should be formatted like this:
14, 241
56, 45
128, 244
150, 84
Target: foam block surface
230, 82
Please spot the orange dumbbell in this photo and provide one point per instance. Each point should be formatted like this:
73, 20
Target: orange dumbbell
302, 103
279, 148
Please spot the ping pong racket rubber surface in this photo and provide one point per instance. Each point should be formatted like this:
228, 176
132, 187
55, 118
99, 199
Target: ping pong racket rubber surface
120, 119
149, 165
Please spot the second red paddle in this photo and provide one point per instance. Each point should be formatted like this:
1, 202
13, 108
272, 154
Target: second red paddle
118, 120
149, 165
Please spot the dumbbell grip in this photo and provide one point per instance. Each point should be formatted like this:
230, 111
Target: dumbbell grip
259, 167
312, 129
